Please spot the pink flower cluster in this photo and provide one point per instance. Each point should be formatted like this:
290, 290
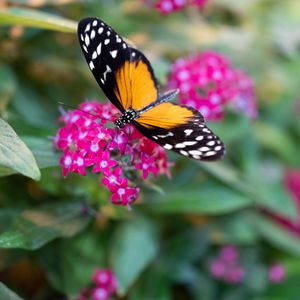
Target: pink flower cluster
168, 6
87, 141
104, 286
227, 267
208, 82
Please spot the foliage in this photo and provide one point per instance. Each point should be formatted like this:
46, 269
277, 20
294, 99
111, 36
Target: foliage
55, 232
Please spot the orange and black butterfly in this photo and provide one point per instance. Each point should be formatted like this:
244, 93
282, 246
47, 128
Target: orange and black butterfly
127, 79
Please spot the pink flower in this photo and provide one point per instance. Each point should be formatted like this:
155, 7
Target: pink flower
218, 268
123, 194
104, 286
229, 254
208, 82
105, 278
87, 141
234, 274
147, 164
114, 178
100, 293
276, 273
104, 163
168, 6
226, 266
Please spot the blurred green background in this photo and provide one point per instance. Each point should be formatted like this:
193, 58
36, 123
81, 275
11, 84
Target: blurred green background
163, 247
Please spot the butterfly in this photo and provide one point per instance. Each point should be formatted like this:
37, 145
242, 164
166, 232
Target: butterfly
127, 79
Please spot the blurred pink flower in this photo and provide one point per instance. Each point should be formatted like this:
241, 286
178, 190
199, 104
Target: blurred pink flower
87, 141
229, 254
218, 268
208, 82
104, 286
277, 273
226, 266
169, 6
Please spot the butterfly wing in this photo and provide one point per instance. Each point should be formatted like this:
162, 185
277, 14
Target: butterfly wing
127, 79
124, 73
182, 130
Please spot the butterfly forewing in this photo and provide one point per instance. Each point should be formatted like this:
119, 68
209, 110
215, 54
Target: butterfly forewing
124, 73
127, 79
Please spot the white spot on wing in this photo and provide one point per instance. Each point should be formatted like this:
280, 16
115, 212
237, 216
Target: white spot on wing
102, 81
88, 27
113, 53
199, 138
190, 143
206, 130
168, 146
118, 39
85, 48
91, 64
180, 145
188, 132
106, 42
94, 56
183, 153
100, 30
218, 148
133, 54
210, 153
81, 37
210, 143
95, 22
87, 40
195, 152
124, 46
99, 48
204, 148
93, 34
108, 33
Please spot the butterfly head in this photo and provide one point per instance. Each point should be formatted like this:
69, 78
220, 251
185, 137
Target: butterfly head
127, 117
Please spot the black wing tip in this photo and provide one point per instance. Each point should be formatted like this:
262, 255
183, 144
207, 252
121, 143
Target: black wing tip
83, 23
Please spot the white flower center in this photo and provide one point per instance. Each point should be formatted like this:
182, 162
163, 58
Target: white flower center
94, 147
121, 191
79, 161
103, 164
68, 160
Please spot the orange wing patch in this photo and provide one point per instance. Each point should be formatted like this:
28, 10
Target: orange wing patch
165, 115
135, 85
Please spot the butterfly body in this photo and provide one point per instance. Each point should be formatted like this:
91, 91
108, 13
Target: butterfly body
127, 79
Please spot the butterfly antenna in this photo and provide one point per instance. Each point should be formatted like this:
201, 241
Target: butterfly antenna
86, 112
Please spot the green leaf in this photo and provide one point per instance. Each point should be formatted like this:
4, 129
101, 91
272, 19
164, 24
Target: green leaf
42, 149
33, 228
260, 191
276, 140
276, 235
15, 157
7, 86
204, 200
153, 285
37, 19
134, 246
78, 256
7, 294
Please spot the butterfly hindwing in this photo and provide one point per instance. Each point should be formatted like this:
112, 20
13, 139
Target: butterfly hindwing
182, 130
